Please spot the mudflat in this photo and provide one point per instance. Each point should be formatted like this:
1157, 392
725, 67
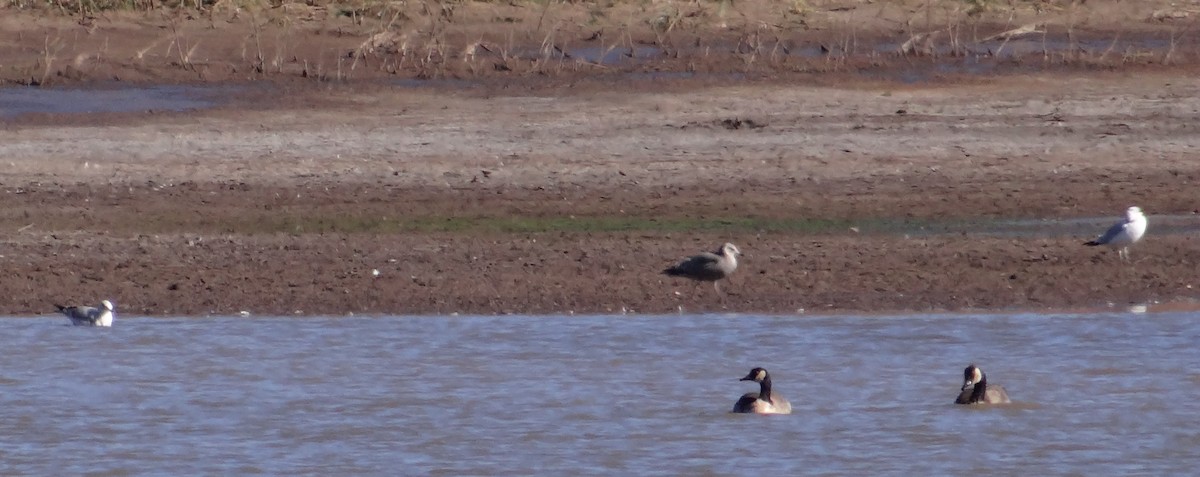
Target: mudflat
552, 158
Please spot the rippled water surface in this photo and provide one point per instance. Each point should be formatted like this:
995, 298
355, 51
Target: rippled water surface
598, 395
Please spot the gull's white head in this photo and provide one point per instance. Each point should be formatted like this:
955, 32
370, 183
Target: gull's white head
730, 249
107, 305
1133, 213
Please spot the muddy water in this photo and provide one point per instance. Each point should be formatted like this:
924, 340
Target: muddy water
1096, 394
18, 101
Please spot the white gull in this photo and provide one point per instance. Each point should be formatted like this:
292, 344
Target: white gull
89, 315
1124, 233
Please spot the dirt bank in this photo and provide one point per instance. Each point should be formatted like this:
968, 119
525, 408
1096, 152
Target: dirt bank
324, 42
849, 189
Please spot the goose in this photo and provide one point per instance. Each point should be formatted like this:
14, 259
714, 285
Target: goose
975, 389
89, 315
708, 266
763, 401
1124, 233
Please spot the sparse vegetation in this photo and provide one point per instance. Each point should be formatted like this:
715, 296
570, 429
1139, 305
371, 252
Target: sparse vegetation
360, 39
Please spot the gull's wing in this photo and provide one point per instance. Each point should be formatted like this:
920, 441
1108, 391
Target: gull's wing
702, 264
1112, 233
80, 313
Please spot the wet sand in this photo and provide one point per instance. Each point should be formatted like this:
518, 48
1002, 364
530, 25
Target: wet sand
486, 191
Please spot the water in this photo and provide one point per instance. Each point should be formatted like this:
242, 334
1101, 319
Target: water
1105, 394
602, 55
1082, 227
15, 102
1163, 224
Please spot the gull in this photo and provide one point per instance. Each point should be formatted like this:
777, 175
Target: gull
89, 315
708, 266
1124, 233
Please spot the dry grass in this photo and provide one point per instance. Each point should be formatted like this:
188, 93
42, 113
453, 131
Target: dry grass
357, 39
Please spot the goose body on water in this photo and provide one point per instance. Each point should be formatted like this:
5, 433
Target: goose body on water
1124, 233
975, 389
89, 315
708, 266
765, 401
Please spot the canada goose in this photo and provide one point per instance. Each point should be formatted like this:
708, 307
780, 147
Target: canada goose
975, 389
1124, 233
763, 401
708, 266
89, 315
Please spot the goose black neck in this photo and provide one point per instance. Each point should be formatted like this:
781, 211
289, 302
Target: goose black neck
764, 389
980, 391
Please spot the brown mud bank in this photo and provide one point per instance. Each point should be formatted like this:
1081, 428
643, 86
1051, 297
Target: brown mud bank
364, 248
560, 43
551, 184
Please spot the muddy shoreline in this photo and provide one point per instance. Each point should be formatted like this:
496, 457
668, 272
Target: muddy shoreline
567, 189
520, 44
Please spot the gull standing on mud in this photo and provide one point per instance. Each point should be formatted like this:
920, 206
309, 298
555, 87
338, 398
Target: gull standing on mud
89, 315
1124, 233
708, 266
